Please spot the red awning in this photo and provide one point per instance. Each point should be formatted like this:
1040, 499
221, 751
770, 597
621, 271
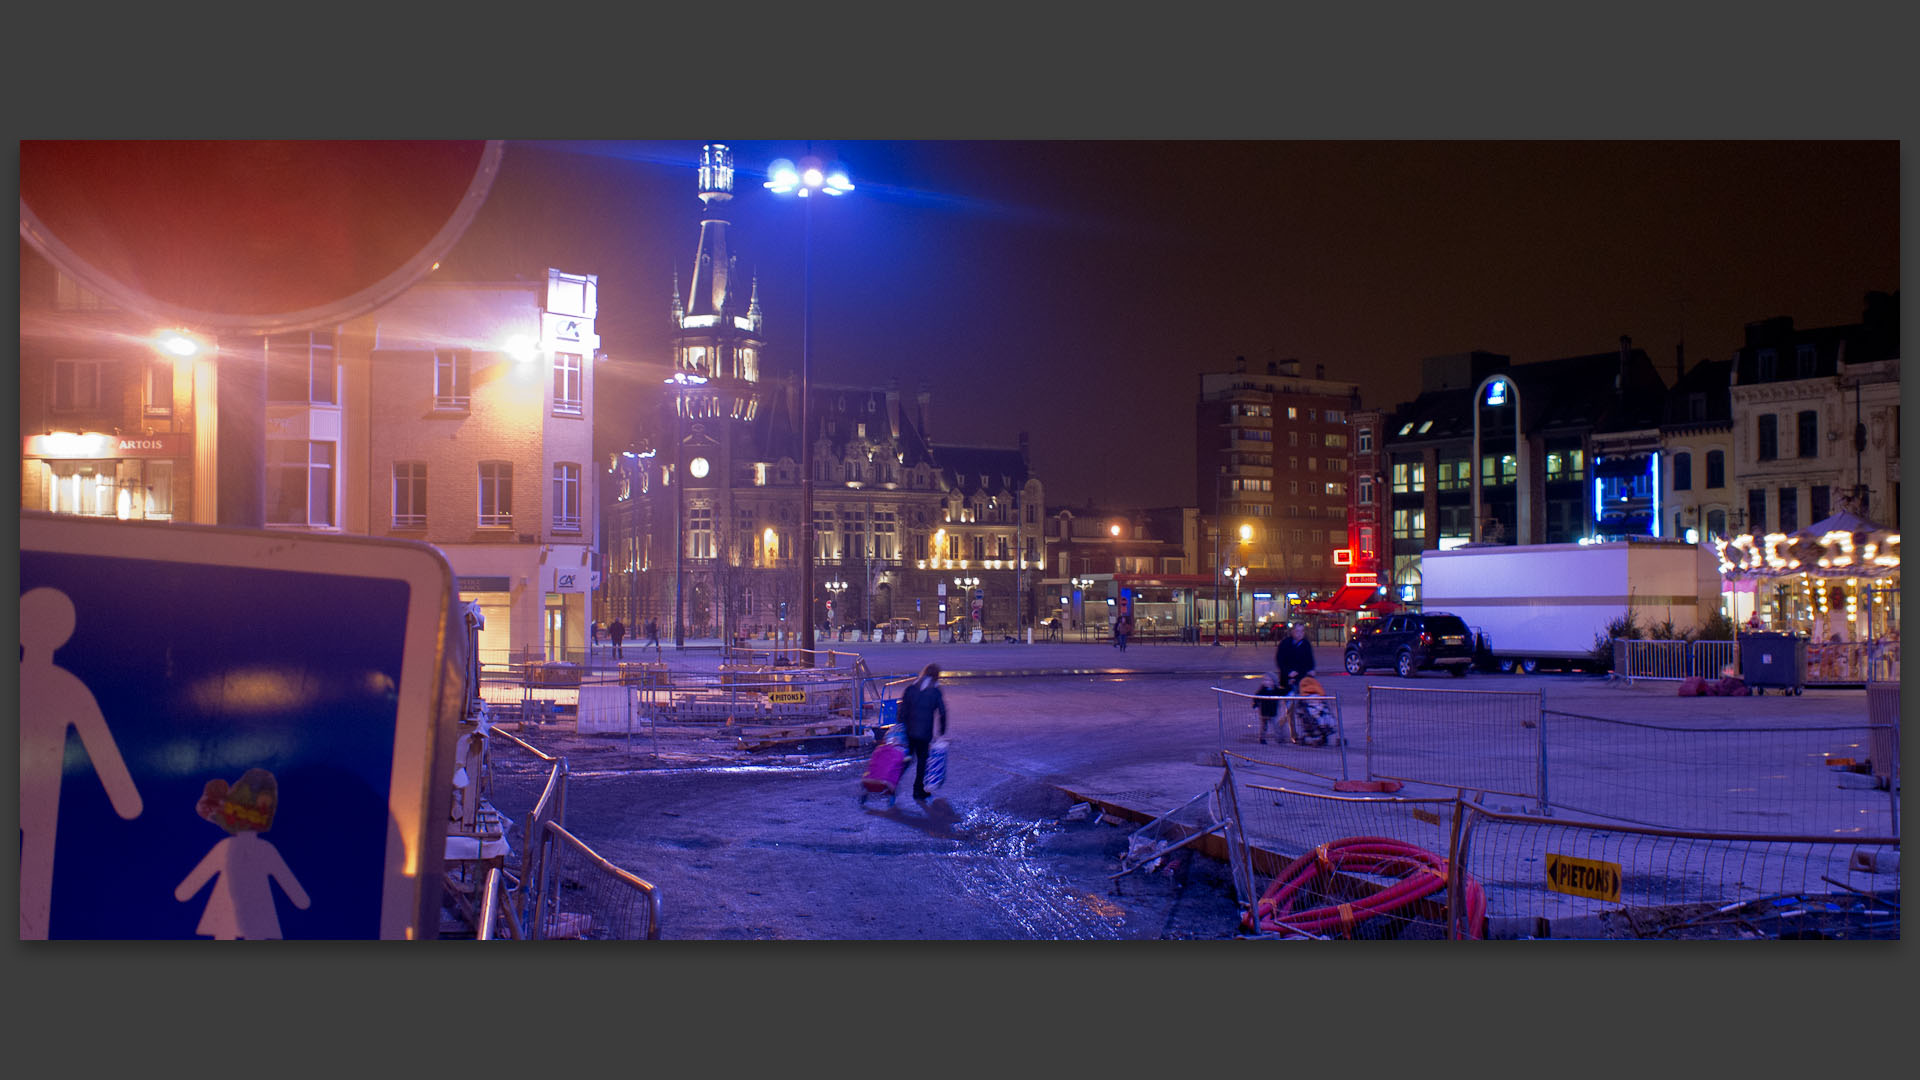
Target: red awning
1349, 598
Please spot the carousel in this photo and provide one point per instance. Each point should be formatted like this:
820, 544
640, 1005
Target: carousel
1835, 582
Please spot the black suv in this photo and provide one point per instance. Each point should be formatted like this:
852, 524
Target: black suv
1410, 643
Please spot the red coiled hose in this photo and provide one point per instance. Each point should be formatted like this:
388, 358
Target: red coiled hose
1421, 874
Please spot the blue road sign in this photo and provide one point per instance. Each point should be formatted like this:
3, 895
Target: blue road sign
229, 734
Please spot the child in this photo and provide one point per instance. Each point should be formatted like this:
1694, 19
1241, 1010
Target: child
1267, 701
1316, 717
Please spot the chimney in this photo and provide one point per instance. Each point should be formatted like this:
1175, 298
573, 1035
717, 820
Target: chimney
1620, 380
1239, 365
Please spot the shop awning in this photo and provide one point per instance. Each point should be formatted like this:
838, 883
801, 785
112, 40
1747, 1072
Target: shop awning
1349, 598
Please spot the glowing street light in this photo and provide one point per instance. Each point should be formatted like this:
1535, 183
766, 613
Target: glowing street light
786, 178
1235, 574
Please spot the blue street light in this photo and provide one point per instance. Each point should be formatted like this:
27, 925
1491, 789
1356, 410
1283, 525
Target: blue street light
786, 178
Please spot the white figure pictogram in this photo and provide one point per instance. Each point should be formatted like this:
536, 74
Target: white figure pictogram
53, 699
241, 866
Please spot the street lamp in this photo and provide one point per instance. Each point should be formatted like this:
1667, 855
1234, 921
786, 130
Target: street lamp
1235, 574
834, 589
966, 584
803, 180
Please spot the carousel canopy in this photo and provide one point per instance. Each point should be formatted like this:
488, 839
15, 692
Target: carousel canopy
1843, 545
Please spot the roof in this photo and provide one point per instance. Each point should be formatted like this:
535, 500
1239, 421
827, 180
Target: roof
973, 470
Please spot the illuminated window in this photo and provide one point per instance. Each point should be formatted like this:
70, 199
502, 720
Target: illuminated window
452, 378
1366, 540
299, 482
1336, 487
301, 368
700, 532
568, 388
1409, 524
409, 494
496, 495
566, 497
1336, 440
1406, 428
885, 537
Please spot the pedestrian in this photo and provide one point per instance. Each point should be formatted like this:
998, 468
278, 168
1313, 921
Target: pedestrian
653, 632
1293, 660
1267, 701
617, 633
1122, 628
593, 633
918, 707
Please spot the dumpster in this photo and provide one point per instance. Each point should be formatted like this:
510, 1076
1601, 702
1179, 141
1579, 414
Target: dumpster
1778, 661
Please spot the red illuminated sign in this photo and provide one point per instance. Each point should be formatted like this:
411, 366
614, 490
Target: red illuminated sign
1343, 556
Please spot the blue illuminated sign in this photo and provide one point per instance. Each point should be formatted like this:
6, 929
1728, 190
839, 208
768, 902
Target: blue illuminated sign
1497, 392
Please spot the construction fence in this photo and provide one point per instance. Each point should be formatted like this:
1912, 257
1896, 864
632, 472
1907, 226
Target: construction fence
1844, 663
1314, 864
1504, 746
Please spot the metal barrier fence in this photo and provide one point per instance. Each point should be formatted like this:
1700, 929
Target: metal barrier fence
580, 895
1484, 740
1242, 725
1798, 780
511, 755
1547, 878
1316, 864
1839, 662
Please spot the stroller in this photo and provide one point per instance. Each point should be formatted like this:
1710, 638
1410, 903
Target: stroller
1312, 720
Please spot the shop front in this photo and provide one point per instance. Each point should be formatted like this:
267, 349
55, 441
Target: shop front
97, 474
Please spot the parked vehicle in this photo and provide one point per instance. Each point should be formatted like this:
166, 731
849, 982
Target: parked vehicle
1541, 606
1412, 643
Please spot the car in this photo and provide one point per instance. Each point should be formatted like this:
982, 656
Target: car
1412, 643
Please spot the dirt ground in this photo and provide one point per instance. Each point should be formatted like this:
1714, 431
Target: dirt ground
776, 846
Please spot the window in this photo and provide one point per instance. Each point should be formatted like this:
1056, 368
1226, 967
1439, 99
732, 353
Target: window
566, 497
1452, 476
1293, 412
979, 547
453, 378
76, 385
1716, 523
1808, 434
1498, 470
1293, 438
1819, 502
157, 387
1335, 416
853, 530
1409, 524
822, 533
1757, 511
496, 495
301, 367
1716, 469
70, 295
299, 482
1803, 362
1683, 472
1366, 540
884, 545
1696, 406
1336, 487
1789, 509
700, 532
568, 395
159, 490
1336, 440
1364, 488
1364, 440
1769, 364
409, 494
1769, 437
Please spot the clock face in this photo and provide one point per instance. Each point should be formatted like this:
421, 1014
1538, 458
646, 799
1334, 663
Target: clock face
698, 467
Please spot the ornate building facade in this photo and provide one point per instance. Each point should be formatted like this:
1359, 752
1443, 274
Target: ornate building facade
702, 526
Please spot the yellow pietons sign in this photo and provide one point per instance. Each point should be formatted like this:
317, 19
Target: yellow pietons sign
787, 697
1583, 877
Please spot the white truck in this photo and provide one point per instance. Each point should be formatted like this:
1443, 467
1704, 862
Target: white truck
1543, 605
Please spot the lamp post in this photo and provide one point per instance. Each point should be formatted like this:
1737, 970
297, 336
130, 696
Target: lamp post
966, 585
803, 180
834, 590
1235, 574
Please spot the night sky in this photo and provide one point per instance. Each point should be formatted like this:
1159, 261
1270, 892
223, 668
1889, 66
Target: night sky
1074, 289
